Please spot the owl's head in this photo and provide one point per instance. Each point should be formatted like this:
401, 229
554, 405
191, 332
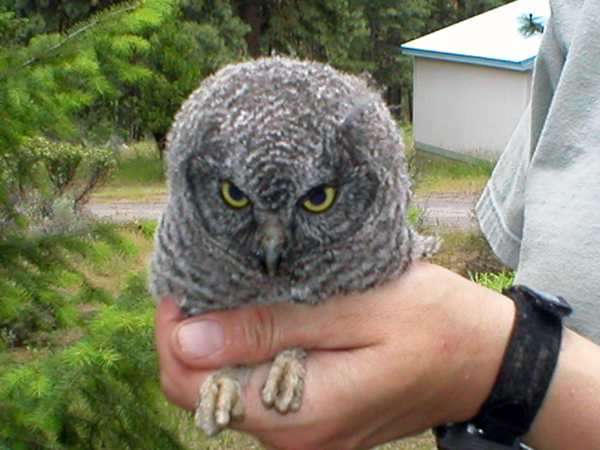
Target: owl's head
291, 169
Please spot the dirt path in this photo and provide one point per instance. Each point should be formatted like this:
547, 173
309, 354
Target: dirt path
125, 212
453, 210
450, 209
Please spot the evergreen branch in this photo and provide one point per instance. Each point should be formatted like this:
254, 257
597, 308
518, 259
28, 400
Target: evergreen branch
69, 38
8, 247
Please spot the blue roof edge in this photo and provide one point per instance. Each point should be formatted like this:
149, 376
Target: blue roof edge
521, 66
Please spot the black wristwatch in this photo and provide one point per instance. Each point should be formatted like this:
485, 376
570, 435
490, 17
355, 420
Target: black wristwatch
524, 377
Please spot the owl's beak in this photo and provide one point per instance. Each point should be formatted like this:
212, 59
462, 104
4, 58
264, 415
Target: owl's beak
271, 260
272, 241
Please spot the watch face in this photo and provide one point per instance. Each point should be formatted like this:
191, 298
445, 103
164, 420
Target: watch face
549, 302
465, 436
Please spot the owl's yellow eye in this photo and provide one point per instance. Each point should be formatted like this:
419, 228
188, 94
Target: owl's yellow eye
233, 196
320, 199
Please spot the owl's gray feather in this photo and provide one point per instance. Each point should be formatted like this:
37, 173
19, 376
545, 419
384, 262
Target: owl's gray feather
278, 128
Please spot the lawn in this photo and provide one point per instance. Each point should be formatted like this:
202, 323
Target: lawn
435, 174
140, 175
139, 178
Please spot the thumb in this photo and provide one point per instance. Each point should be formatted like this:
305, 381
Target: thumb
251, 335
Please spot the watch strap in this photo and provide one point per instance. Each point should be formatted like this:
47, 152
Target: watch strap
527, 368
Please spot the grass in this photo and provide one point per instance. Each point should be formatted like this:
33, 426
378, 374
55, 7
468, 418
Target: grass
139, 178
432, 173
466, 252
496, 281
139, 164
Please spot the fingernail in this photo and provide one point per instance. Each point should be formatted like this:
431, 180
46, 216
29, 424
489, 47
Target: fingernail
201, 339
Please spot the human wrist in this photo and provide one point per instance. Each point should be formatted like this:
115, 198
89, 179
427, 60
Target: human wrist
569, 415
528, 367
487, 331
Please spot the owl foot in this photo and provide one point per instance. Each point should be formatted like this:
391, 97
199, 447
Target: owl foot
285, 382
220, 400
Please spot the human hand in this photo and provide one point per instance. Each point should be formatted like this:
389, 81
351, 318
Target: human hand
410, 355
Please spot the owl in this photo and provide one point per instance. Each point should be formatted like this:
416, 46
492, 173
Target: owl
287, 183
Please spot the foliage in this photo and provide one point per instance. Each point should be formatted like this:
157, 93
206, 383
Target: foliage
494, 281
44, 85
53, 16
43, 234
12, 30
314, 30
530, 25
201, 37
41, 284
101, 391
72, 171
46, 184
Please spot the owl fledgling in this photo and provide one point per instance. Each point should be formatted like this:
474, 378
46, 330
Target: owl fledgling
287, 182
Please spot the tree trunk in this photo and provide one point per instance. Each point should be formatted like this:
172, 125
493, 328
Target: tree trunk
251, 12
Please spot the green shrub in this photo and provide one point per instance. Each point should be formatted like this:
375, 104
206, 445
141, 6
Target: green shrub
44, 235
41, 283
71, 171
101, 391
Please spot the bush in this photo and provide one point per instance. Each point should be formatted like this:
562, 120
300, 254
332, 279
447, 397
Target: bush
43, 288
101, 391
43, 235
49, 177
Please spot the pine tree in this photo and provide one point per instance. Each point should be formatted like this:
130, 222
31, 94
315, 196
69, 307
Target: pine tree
198, 39
101, 391
43, 87
98, 388
531, 25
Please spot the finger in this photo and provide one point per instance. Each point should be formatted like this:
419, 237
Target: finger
255, 334
179, 383
166, 318
252, 335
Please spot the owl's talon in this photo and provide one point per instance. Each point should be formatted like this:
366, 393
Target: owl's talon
237, 413
285, 382
220, 402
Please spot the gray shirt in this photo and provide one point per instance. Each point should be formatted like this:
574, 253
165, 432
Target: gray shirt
541, 209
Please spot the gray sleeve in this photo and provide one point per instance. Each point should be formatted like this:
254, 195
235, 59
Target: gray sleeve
541, 208
500, 207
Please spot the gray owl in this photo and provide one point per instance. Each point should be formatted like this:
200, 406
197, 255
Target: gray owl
287, 182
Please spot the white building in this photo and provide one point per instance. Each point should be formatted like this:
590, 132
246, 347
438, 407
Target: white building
472, 81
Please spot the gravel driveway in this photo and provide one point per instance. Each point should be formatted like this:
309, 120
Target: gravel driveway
453, 210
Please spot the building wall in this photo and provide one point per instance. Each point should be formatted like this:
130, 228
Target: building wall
465, 108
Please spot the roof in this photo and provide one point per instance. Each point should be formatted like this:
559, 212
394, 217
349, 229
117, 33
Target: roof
491, 39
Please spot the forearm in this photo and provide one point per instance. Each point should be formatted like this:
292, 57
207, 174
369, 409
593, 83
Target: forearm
570, 415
